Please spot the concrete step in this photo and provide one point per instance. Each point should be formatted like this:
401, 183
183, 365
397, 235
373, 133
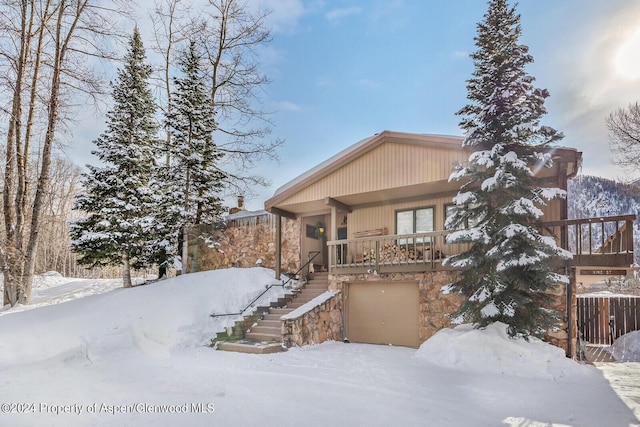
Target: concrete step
317, 285
295, 305
280, 311
310, 293
272, 323
248, 346
264, 337
299, 301
272, 317
260, 329
316, 282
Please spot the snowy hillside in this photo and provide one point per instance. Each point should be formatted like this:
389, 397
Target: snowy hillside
136, 357
592, 197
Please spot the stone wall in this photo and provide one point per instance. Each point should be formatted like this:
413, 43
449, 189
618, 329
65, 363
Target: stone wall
436, 303
321, 323
249, 237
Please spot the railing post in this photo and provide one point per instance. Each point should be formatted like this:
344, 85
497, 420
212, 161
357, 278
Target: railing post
278, 246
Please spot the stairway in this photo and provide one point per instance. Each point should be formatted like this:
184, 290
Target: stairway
265, 335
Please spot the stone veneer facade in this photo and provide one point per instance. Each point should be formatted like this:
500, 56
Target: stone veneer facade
324, 322
321, 323
249, 237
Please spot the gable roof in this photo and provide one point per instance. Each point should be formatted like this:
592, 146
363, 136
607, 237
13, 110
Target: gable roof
353, 152
336, 180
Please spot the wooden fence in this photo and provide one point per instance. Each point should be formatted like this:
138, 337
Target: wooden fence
603, 319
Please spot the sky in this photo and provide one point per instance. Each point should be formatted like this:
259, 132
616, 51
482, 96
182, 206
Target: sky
343, 70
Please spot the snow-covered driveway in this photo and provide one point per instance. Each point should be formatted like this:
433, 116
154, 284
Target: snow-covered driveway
625, 381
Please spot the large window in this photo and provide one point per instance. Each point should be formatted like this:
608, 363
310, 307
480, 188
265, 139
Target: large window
414, 221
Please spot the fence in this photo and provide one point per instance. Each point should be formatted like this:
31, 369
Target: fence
603, 319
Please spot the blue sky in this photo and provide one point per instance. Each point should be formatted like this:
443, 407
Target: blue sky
343, 70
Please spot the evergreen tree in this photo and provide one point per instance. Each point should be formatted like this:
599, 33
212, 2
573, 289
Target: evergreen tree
119, 197
196, 180
507, 269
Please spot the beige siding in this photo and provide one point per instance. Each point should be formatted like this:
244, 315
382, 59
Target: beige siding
390, 165
384, 216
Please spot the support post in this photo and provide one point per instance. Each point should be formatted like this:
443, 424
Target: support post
571, 314
278, 246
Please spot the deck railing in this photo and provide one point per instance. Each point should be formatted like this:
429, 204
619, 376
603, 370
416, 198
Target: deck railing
418, 251
593, 241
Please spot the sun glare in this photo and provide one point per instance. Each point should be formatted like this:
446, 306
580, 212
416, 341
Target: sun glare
627, 61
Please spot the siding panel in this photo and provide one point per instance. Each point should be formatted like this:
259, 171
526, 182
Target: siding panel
390, 165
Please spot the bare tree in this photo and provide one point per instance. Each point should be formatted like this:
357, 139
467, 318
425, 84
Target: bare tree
47, 51
171, 26
57, 212
231, 35
624, 136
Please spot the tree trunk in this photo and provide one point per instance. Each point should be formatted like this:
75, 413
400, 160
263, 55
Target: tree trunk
126, 271
12, 264
185, 250
61, 46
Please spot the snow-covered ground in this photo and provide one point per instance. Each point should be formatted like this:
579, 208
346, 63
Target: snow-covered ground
136, 357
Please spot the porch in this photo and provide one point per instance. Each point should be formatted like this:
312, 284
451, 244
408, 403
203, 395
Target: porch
606, 241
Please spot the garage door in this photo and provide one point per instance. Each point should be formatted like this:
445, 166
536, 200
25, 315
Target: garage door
383, 313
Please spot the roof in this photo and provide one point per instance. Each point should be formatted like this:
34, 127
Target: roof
359, 148
245, 214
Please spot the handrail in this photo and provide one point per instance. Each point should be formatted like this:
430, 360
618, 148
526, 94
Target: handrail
250, 304
309, 259
267, 289
593, 220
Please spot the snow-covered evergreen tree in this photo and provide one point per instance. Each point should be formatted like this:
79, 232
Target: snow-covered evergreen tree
119, 197
507, 268
195, 178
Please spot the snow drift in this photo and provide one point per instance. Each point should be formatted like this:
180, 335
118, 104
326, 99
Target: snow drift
494, 352
153, 319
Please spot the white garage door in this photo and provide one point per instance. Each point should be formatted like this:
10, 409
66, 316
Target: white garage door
383, 313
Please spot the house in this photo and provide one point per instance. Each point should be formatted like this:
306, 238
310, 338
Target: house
373, 217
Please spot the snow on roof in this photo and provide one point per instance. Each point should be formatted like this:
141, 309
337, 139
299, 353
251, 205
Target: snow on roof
245, 214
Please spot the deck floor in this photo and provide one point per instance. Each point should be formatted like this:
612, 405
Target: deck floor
598, 354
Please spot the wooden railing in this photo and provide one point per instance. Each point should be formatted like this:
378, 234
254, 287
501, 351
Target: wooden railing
405, 252
606, 241
602, 241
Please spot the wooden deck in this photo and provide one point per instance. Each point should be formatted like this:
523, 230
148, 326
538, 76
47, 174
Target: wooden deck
605, 241
598, 354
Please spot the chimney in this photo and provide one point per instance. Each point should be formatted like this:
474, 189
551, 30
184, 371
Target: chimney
240, 206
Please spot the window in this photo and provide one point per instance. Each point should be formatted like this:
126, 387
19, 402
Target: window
414, 221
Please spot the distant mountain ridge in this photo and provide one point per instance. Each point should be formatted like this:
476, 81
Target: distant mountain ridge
592, 196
